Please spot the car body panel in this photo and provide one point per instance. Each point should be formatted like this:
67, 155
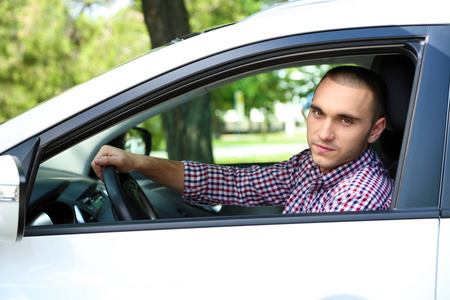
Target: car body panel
443, 271
264, 262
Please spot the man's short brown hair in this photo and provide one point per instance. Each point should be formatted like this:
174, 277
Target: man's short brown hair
354, 76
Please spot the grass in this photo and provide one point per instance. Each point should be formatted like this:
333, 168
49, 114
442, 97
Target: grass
257, 138
256, 148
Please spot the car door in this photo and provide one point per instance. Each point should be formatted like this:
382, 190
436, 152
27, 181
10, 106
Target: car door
443, 270
363, 255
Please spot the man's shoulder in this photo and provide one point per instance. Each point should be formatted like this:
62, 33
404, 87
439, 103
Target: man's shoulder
376, 166
372, 177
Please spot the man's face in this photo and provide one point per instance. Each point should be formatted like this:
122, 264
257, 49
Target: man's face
340, 124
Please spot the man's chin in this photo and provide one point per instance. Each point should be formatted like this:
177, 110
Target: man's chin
323, 164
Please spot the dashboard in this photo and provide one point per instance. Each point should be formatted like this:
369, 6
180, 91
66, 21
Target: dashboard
63, 198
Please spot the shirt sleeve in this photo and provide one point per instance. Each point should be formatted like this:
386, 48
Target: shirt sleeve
254, 186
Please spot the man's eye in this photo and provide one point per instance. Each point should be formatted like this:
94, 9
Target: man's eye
347, 121
318, 113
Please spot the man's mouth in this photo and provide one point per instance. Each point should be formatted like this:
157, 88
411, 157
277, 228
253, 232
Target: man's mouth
323, 149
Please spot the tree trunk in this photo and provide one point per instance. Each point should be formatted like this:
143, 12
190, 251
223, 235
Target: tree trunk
187, 127
165, 20
188, 131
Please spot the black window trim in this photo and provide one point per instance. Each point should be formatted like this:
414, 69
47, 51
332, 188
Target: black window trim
233, 221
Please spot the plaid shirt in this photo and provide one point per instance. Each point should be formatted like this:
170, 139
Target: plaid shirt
297, 184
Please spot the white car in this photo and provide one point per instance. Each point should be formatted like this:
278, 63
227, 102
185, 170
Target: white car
63, 238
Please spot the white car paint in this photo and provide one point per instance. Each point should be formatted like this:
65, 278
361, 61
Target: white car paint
10, 183
254, 262
443, 271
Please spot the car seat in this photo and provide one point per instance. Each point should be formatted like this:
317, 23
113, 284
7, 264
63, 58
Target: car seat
397, 71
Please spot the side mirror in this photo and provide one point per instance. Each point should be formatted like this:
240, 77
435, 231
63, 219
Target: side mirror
12, 199
136, 140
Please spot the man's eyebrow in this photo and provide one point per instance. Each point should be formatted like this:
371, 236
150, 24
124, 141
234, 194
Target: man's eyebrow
351, 117
315, 107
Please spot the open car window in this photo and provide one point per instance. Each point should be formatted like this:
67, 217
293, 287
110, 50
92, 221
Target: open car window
255, 117
253, 120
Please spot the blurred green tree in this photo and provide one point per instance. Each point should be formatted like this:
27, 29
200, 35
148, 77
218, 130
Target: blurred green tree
48, 46
34, 51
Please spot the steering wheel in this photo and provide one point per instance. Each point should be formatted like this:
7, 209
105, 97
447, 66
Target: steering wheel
128, 199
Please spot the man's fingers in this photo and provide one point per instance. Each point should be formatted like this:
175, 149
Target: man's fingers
111, 156
103, 161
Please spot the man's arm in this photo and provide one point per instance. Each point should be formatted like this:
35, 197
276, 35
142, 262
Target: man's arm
165, 172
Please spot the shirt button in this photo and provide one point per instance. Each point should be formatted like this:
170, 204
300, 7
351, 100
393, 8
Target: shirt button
315, 194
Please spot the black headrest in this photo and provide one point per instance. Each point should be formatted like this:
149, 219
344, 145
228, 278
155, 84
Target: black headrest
397, 72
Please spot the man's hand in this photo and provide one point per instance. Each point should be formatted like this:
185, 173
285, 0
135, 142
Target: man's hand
163, 171
108, 155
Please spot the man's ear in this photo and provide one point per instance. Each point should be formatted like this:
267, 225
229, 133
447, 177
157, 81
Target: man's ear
377, 130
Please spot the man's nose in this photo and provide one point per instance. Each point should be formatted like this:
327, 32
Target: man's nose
326, 132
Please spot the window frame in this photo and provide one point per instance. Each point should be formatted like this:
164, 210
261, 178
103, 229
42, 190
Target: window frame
436, 84
408, 40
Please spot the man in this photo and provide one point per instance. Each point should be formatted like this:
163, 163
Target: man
340, 171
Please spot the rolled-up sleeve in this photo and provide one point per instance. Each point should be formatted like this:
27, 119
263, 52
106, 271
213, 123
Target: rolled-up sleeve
254, 186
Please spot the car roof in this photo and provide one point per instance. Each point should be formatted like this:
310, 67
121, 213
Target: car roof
294, 17
354, 13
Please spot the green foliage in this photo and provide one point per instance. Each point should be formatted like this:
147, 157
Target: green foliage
48, 46
210, 13
107, 42
265, 89
155, 127
29, 71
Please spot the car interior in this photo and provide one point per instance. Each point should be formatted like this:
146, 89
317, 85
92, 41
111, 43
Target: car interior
67, 192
